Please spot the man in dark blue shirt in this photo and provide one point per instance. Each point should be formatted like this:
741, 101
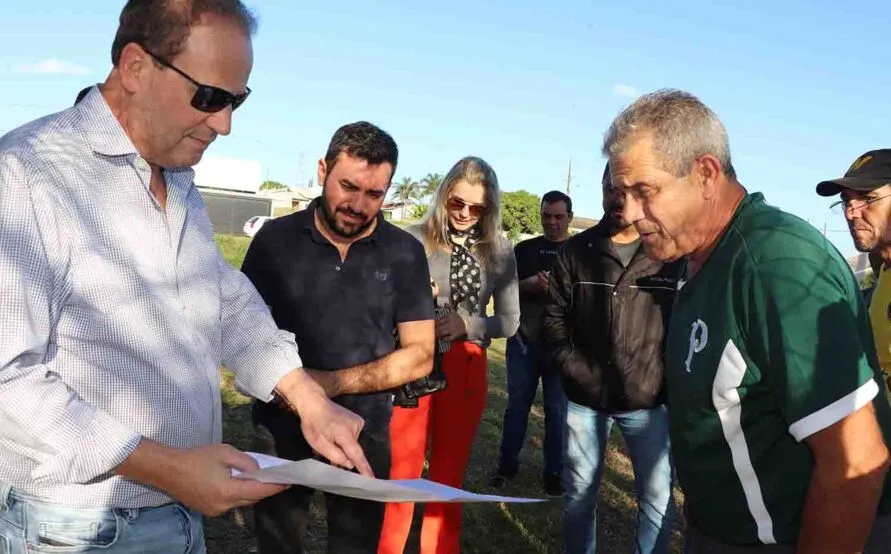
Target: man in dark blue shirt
524, 356
347, 284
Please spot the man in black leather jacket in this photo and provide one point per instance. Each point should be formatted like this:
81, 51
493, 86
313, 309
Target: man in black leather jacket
604, 330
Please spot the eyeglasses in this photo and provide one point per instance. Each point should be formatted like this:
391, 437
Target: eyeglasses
842, 206
456, 204
207, 98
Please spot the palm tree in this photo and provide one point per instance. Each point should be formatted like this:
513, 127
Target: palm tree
405, 191
427, 188
430, 183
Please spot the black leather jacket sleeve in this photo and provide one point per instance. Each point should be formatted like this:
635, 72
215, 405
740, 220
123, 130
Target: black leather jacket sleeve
557, 333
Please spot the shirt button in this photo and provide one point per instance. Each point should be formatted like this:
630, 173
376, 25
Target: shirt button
337, 268
141, 164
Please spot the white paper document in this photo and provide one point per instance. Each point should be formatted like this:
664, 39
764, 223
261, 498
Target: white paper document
321, 476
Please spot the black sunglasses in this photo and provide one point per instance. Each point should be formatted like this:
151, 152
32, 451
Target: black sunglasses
207, 98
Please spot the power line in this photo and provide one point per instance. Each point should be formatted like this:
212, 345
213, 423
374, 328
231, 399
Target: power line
569, 178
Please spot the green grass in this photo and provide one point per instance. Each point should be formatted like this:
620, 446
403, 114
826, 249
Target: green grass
233, 247
488, 528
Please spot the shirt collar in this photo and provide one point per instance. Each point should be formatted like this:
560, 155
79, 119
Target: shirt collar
105, 135
103, 131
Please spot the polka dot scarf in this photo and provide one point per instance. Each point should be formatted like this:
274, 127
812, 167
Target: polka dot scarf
465, 276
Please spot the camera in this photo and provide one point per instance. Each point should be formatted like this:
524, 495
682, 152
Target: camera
408, 394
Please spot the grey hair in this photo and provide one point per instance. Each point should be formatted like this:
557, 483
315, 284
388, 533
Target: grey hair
683, 129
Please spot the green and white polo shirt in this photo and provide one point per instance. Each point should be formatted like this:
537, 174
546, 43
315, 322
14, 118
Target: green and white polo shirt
768, 344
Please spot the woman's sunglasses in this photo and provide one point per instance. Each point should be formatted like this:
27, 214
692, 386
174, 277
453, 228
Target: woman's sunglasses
207, 98
456, 204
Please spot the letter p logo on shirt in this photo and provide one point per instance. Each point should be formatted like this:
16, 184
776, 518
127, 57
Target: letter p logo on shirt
698, 340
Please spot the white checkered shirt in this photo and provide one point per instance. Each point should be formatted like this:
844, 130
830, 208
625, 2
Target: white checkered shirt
116, 317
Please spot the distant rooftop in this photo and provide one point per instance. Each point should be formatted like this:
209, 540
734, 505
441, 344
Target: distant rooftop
583, 223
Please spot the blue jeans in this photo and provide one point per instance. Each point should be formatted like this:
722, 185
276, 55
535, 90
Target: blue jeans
524, 367
29, 526
646, 435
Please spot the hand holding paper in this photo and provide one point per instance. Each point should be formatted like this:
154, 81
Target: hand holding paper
318, 475
200, 477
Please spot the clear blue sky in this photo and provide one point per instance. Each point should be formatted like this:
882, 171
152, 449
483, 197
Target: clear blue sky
801, 86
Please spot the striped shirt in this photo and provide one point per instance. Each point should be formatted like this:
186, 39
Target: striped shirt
116, 314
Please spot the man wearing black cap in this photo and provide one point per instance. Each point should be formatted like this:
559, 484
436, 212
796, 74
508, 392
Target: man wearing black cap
865, 193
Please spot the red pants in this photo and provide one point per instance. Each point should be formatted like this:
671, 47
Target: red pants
448, 420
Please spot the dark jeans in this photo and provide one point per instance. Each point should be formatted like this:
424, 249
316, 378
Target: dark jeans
524, 368
354, 525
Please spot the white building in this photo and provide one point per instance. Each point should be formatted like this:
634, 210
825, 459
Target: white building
291, 200
229, 174
859, 264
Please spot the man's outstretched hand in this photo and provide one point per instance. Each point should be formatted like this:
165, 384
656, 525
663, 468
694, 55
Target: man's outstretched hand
330, 429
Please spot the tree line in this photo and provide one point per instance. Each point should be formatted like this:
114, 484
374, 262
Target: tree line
519, 209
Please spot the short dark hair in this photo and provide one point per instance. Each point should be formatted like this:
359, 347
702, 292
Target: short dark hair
557, 196
365, 141
162, 26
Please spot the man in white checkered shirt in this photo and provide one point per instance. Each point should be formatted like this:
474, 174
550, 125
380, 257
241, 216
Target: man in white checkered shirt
119, 309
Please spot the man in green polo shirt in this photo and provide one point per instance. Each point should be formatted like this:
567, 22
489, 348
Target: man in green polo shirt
777, 409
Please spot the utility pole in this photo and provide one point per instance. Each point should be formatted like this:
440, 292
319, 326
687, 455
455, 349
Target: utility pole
569, 178
299, 178
824, 228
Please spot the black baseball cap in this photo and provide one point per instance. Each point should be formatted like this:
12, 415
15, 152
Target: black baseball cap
868, 172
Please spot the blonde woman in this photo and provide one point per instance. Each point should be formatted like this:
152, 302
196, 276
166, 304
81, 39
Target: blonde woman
471, 262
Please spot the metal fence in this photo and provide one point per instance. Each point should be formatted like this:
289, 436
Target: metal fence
229, 211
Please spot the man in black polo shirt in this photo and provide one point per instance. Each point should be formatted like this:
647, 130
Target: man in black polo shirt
346, 283
525, 362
